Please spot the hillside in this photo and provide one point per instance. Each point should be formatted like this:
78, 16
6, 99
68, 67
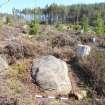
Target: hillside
18, 50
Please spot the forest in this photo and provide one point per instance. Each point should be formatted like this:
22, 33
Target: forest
66, 14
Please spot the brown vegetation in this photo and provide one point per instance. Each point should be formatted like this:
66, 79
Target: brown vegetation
22, 50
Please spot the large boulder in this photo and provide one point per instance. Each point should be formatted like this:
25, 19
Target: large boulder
51, 74
3, 63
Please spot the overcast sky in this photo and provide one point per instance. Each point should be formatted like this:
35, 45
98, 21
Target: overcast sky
20, 4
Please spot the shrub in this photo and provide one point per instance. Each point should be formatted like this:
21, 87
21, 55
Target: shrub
96, 65
76, 27
8, 20
99, 26
71, 26
84, 24
60, 27
1, 24
34, 27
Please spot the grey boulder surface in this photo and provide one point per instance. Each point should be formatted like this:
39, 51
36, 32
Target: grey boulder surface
51, 74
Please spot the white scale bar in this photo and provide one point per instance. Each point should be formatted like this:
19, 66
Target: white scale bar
51, 97
38, 96
63, 98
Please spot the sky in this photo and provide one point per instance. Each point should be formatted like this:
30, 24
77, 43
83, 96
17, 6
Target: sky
20, 4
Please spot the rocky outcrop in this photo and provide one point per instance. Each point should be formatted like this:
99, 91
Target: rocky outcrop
51, 74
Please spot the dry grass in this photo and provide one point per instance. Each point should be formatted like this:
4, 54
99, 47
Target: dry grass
65, 53
92, 70
15, 78
55, 103
21, 70
15, 85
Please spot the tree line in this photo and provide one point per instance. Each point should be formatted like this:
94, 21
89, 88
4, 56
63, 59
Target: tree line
65, 14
